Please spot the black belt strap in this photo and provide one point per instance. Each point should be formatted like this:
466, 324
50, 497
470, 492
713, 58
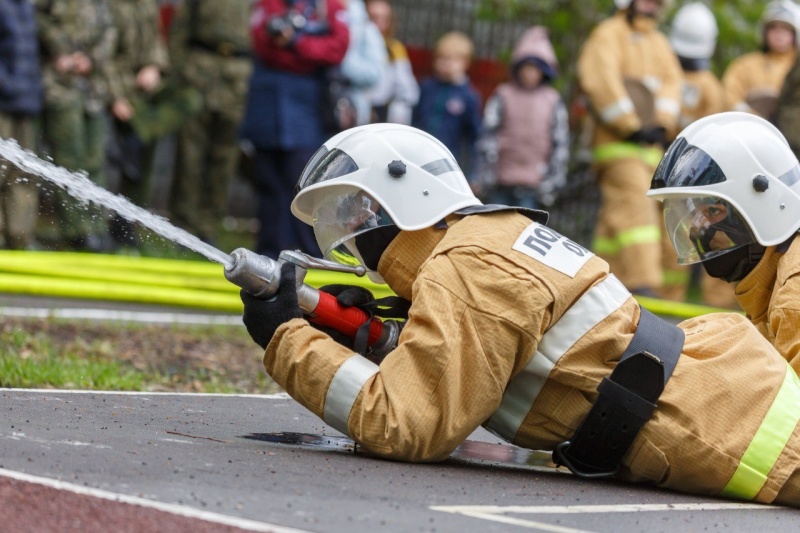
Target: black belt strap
626, 402
222, 48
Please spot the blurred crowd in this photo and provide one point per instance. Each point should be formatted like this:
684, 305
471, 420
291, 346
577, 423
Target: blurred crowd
100, 85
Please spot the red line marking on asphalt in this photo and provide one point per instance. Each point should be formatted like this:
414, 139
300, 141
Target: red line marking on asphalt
33, 503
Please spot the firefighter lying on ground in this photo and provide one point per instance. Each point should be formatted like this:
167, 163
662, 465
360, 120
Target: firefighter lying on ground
515, 327
731, 191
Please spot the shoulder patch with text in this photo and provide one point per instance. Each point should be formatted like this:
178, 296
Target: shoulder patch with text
552, 249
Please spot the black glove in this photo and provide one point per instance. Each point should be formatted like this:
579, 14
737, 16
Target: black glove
262, 317
649, 135
347, 296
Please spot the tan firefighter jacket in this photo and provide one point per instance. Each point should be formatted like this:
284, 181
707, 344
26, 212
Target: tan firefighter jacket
755, 75
770, 295
702, 95
614, 52
512, 326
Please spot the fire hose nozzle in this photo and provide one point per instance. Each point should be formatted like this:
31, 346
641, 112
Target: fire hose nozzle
257, 274
261, 277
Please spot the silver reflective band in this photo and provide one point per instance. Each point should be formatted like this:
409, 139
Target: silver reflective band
591, 309
653, 83
619, 108
344, 389
666, 105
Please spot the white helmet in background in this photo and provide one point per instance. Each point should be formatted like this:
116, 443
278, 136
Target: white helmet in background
784, 11
694, 31
377, 176
729, 182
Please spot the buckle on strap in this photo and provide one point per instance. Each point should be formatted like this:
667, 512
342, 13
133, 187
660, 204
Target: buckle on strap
626, 402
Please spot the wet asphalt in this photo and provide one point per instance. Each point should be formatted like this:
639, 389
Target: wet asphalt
268, 459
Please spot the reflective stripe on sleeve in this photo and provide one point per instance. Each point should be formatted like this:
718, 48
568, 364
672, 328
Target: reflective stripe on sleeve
590, 309
625, 150
768, 442
344, 389
612, 246
612, 112
669, 106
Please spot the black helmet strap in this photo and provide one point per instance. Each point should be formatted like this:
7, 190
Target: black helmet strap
733, 266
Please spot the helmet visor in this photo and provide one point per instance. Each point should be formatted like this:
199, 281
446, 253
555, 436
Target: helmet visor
701, 228
325, 165
686, 165
343, 215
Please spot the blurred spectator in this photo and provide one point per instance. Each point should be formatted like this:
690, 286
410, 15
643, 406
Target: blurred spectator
397, 92
752, 82
449, 106
210, 51
77, 42
140, 58
283, 120
525, 140
366, 60
20, 103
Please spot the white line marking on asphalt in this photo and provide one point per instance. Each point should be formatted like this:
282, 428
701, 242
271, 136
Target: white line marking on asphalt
178, 441
276, 396
188, 512
123, 316
498, 513
22, 436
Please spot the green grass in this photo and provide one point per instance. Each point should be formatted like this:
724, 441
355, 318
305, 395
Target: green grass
57, 353
33, 362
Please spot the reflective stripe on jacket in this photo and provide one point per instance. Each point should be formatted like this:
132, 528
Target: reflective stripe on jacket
702, 95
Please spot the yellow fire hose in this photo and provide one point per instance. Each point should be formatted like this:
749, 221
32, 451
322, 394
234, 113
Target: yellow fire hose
141, 280
183, 283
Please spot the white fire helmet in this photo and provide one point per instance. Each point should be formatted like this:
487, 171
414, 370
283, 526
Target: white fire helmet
784, 11
694, 31
729, 180
375, 176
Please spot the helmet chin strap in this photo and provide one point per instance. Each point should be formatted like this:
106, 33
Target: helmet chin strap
733, 266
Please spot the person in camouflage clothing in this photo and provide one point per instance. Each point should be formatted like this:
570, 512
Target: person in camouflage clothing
77, 40
140, 61
209, 47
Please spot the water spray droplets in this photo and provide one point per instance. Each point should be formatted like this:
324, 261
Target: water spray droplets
78, 185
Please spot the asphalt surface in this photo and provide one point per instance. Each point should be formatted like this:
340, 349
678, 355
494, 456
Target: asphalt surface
267, 460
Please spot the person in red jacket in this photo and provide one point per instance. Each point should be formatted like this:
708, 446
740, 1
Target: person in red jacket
295, 41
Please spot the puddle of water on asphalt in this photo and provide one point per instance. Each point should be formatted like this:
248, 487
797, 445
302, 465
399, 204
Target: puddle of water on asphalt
470, 449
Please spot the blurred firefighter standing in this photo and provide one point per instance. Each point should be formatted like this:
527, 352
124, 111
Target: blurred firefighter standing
633, 81
693, 36
752, 82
